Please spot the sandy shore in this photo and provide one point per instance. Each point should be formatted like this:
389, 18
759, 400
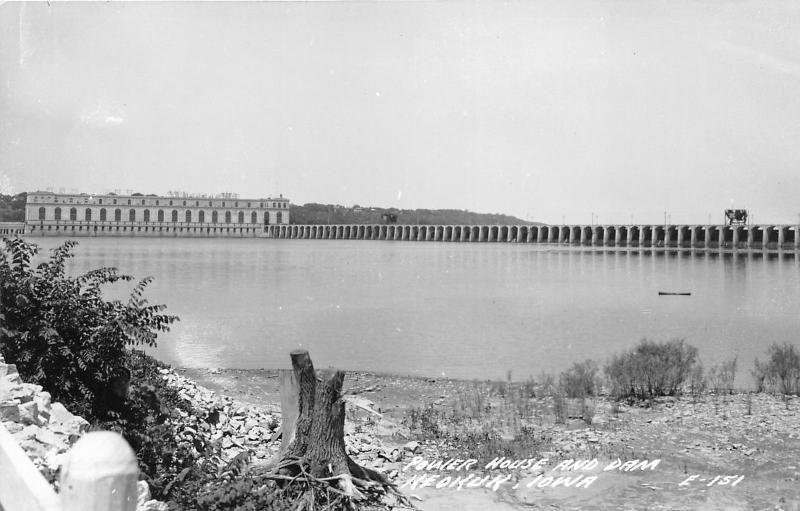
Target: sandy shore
755, 437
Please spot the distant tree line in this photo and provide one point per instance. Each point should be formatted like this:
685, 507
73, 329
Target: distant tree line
313, 213
12, 207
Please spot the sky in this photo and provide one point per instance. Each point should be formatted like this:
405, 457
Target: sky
604, 111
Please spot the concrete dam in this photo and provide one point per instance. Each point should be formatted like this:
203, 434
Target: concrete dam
723, 237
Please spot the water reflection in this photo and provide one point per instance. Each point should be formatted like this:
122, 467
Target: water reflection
466, 310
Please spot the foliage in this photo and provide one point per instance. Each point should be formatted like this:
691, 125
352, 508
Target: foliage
651, 369
697, 380
722, 376
781, 371
12, 207
313, 213
60, 331
579, 380
148, 422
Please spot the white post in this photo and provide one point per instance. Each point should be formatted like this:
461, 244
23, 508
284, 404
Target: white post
99, 474
21, 484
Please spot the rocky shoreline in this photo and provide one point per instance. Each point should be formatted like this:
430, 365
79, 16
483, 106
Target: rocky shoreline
754, 435
46, 430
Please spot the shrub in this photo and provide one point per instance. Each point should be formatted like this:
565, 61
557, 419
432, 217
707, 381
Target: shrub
722, 376
63, 335
697, 380
760, 373
579, 380
651, 369
149, 422
60, 331
781, 370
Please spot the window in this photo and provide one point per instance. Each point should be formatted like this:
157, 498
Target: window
248, 204
103, 214
146, 215
160, 215
227, 216
99, 201
57, 214
188, 216
184, 203
201, 217
88, 214
129, 202
73, 214
142, 202
117, 215
253, 217
223, 204
236, 204
279, 219
209, 204
241, 217
170, 203
197, 203
261, 206
158, 202
132, 215
214, 217
266, 217
115, 201
174, 215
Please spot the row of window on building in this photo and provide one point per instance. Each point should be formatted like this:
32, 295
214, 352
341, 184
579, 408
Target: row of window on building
276, 205
201, 216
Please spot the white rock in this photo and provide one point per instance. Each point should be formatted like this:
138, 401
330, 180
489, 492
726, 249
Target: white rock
59, 414
153, 505
12, 426
9, 410
54, 459
29, 413
10, 379
6, 369
142, 493
48, 437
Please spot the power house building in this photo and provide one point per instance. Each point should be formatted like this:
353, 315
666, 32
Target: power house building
52, 214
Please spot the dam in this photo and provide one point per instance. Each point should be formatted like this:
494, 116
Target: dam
722, 237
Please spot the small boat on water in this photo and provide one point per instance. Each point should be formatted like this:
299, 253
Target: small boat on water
667, 293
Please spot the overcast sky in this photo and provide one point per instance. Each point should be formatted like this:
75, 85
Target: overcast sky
544, 110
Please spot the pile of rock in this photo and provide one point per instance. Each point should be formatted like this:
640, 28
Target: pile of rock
44, 430
238, 428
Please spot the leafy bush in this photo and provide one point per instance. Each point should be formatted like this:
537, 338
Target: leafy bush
781, 371
63, 335
651, 369
60, 331
148, 422
579, 380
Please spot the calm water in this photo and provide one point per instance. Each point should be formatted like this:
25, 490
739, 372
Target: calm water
460, 310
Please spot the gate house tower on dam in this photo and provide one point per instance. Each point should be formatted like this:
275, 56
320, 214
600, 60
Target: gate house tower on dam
51, 214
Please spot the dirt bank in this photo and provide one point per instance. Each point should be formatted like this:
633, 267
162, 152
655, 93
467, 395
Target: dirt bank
754, 437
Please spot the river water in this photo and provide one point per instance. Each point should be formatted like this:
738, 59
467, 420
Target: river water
453, 309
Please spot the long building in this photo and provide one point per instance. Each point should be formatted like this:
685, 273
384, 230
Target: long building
52, 214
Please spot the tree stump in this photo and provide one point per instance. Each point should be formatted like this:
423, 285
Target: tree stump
314, 444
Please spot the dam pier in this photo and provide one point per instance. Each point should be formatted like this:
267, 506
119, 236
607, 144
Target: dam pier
731, 237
